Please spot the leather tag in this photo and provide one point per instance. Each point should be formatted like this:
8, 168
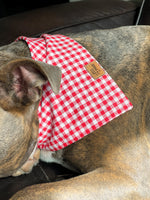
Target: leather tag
95, 69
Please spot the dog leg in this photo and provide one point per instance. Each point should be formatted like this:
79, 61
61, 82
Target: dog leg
100, 184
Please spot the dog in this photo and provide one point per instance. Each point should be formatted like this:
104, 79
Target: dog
114, 159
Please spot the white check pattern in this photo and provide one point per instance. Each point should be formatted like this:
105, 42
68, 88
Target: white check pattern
83, 104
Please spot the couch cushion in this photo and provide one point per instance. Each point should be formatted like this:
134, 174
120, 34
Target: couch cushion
98, 13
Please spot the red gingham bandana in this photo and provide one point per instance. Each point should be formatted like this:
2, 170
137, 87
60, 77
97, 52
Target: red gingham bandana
83, 103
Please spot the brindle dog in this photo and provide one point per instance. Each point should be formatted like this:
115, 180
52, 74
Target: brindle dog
115, 159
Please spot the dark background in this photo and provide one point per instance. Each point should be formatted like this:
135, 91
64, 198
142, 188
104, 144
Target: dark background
10, 7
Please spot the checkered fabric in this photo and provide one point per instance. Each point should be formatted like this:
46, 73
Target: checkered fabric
83, 103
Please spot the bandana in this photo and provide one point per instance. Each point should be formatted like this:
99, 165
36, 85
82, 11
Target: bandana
88, 98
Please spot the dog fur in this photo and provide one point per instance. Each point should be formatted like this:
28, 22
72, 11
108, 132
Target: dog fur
115, 159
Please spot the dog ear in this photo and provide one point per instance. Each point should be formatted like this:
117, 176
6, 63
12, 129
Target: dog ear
22, 81
53, 74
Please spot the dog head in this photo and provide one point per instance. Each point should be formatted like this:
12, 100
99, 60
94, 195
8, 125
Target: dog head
21, 81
